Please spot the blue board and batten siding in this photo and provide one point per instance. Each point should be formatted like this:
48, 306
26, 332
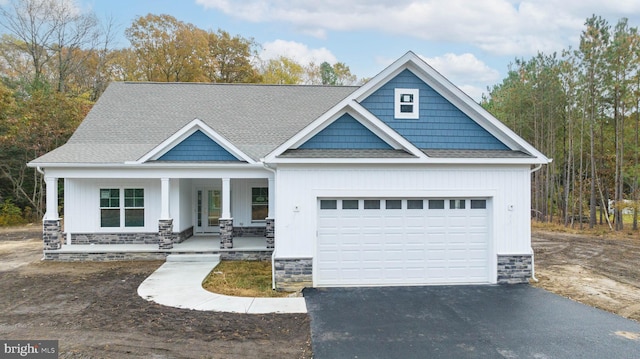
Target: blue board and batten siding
441, 124
198, 147
345, 133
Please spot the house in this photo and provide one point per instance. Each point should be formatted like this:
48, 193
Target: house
402, 181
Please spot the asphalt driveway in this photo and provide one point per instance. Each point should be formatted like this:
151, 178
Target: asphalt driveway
515, 321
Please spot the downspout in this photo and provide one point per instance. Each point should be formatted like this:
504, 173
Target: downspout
533, 266
273, 254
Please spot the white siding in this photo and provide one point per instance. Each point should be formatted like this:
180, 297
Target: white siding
297, 188
82, 204
241, 201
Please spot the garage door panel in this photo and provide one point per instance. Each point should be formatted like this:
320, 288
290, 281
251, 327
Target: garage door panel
402, 246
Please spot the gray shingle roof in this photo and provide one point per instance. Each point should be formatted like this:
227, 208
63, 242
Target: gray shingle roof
131, 119
476, 154
346, 153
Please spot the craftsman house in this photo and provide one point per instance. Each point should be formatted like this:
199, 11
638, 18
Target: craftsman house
402, 181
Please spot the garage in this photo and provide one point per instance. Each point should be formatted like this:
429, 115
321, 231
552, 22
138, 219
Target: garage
402, 241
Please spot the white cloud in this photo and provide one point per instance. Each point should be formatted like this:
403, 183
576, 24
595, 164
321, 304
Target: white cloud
299, 52
504, 27
465, 71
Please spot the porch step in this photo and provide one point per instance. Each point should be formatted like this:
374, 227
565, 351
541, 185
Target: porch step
211, 258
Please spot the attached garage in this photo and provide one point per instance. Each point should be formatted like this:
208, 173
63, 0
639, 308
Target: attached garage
402, 241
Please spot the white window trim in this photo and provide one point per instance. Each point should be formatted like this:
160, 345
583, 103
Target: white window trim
121, 207
415, 114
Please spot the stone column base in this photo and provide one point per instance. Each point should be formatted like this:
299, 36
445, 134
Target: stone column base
514, 269
51, 234
165, 234
226, 233
270, 232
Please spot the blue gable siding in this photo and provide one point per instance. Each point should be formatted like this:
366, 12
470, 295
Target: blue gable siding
198, 147
441, 125
345, 133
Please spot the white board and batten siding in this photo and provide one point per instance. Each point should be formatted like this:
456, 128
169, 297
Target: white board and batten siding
82, 204
502, 228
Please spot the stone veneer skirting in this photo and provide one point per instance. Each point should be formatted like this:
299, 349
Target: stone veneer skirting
249, 231
293, 274
62, 256
125, 238
514, 269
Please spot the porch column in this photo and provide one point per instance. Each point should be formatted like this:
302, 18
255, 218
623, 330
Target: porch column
226, 221
164, 198
51, 228
165, 223
270, 230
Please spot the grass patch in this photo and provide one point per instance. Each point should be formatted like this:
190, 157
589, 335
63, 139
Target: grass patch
242, 279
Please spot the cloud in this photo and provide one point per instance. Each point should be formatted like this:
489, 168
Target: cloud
299, 52
465, 71
501, 27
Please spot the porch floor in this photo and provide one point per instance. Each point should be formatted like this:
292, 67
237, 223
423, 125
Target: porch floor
196, 244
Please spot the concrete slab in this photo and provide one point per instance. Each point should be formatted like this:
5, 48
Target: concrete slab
179, 284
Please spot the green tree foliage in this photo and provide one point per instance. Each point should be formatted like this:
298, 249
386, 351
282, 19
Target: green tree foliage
581, 108
282, 71
56, 60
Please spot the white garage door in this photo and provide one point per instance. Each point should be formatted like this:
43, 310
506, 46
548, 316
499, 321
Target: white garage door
402, 241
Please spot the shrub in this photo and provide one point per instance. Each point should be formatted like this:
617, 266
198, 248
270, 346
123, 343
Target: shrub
10, 214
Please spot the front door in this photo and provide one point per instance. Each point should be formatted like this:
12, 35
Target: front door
208, 209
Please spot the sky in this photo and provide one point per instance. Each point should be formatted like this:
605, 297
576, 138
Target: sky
471, 42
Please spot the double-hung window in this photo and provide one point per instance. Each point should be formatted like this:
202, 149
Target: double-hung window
259, 203
121, 207
407, 104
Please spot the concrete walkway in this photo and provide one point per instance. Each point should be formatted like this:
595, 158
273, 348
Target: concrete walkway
178, 283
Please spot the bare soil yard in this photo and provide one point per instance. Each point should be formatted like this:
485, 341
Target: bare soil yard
598, 271
93, 309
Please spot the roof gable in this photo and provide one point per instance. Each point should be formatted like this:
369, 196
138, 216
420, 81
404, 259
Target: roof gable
460, 118
345, 133
198, 147
195, 136
440, 125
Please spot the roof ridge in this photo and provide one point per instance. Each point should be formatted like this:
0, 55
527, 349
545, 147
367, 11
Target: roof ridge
229, 84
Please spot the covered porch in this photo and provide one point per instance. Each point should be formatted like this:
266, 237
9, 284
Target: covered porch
175, 210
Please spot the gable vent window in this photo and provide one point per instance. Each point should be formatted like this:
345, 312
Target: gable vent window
407, 104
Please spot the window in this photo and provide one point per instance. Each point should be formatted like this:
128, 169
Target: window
114, 212
415, 204
134, 207
109, 207
371, 204
259, 203
328, 204
393, 204
349, 204
407, 104
478, 204
457, 204
436, 204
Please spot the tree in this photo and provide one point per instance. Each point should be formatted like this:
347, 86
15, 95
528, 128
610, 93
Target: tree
230, 58
32, 126
282, 71
166, 49
50, 32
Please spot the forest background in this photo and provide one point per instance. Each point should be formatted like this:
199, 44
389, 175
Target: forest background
580, 107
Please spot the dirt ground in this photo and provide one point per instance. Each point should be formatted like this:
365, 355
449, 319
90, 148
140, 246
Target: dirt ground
601, 272
94, 311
